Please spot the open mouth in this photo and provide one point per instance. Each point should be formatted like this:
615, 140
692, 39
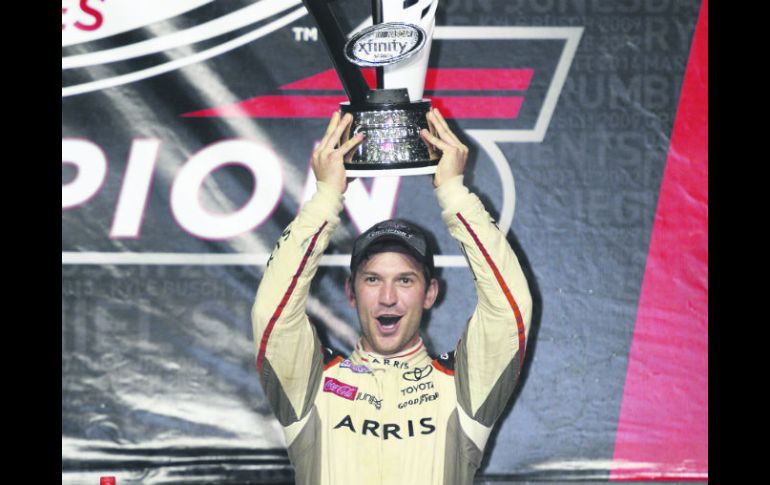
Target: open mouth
388, 320
388, 323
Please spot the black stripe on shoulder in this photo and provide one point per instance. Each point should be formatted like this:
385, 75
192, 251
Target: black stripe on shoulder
446, 360
330, 354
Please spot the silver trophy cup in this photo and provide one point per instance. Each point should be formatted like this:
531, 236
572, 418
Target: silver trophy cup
391, 116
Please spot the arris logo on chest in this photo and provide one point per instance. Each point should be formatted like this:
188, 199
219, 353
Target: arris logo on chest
386, 430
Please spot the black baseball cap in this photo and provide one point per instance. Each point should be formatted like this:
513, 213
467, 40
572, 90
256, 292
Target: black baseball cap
393, 231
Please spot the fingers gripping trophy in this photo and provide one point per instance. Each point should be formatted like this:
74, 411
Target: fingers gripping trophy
391, 116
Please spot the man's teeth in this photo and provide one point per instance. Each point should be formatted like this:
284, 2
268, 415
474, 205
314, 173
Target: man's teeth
389, 320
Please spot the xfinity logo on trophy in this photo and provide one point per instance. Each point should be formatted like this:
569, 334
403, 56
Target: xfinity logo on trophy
384, 44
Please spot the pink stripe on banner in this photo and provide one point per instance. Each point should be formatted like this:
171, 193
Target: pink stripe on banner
329, 79
443, 79
319, 106
663, 426
498, 79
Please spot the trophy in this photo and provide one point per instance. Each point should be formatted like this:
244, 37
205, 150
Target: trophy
390, 116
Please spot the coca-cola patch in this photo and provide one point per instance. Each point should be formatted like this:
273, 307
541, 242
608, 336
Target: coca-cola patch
340, 388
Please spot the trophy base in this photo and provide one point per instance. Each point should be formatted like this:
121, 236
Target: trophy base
392, 145
390, 172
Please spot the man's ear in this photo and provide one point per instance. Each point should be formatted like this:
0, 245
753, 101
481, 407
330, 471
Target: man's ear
349, 292
430, 294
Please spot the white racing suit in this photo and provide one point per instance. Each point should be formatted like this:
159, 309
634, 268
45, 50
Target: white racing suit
397, 420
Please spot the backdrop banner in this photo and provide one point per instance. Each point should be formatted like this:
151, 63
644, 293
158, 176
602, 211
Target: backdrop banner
187, 130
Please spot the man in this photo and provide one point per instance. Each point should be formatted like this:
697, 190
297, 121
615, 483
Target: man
389, 413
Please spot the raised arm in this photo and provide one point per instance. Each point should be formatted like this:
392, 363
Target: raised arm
289, 358
490, 353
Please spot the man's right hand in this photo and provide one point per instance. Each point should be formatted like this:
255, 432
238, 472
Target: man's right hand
328, 157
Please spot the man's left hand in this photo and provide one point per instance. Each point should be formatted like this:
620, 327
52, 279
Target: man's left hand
454, 153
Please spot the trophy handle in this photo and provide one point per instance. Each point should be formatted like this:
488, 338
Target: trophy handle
334, 40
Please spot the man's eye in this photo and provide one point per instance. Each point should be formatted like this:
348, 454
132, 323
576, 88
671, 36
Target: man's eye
370, 279
406, 280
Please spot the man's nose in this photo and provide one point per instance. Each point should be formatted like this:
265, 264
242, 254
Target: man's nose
388, 296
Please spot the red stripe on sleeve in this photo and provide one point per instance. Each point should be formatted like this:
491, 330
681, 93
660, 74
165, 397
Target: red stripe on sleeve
285, 299
503, 286
443, 369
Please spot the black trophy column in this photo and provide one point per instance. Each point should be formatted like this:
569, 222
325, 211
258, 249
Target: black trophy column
377, 19
334, 40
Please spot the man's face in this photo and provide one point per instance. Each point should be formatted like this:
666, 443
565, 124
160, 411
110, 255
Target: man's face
390, 296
